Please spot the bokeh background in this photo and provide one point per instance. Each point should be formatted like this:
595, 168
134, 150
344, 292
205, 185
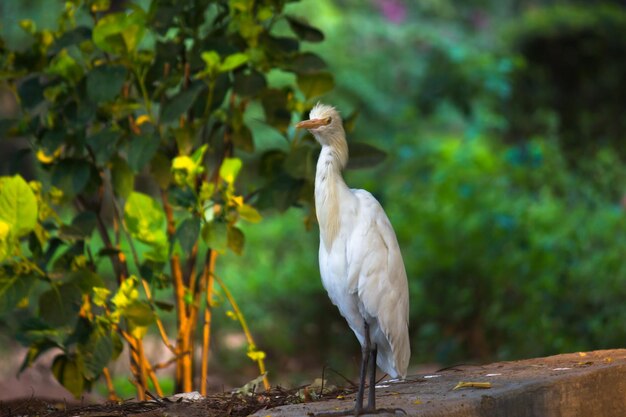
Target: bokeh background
503, 123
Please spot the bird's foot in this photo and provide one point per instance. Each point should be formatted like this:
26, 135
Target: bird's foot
355, 412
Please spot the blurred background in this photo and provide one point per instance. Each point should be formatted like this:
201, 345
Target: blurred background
503, 125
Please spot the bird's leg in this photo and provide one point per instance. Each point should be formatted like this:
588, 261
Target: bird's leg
365, 352
371, 397
368, 365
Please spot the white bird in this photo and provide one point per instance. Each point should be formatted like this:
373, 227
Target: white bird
360, 260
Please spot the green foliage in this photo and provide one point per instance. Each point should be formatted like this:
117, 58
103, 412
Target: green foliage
572, 79
510, 252
139, 118
500, 242
18, 208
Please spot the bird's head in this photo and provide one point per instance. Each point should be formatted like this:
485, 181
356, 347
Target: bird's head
325, 124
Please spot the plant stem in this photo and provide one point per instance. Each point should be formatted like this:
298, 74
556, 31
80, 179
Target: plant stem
244, 327
110, 387
184, 374
144, 283
207, 276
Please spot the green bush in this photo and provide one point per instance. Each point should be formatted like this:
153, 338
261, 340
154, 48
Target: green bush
510, 254
573, 77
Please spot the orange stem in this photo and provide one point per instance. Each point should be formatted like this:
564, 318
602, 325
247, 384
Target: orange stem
208, 274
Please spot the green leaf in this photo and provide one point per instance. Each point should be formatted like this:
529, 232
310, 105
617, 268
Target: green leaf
304, 30
242, 139
249, 84
18, 205
141, 150
300, 163
271, 163
64, 65
181, 102
233, 61
139, 313
188, 233
275, 106
363, 155
120, 33
307, 63
104, 83
160, 170
236, 240
103, 145
145, 219
139, 316
71, 175
165, 306
72, 37
85, 222
211, 60
59, 305
14, 289
68, 370
82, 227
97, 353
315, 84
122, 177
30, 91
85, 280
230, 169
215, 236
249, 213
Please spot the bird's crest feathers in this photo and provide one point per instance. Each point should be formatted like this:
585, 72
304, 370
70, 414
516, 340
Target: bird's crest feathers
319, 111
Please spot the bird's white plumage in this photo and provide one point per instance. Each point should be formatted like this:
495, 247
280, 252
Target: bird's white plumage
360, 260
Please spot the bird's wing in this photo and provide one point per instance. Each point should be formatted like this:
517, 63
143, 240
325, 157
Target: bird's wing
376, 273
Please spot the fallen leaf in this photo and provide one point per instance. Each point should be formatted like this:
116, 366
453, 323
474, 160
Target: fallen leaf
482, 385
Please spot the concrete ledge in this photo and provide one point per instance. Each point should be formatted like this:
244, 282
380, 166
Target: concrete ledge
577, 384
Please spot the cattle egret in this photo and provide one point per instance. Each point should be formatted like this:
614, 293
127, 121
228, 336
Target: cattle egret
360, 260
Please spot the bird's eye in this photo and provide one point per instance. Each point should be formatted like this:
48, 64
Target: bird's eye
328, 120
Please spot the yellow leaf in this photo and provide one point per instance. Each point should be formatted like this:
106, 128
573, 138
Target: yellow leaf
4, 230
139, 331
144, 118
256, 355
44, 158
482, 385
184, 163
249, 213
238, 200
100, 295
417, 402
232, 315
230, 169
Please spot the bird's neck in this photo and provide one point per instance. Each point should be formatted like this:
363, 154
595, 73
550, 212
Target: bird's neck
329, 188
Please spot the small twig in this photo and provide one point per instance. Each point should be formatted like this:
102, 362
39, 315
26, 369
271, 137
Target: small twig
110, 387
244, 327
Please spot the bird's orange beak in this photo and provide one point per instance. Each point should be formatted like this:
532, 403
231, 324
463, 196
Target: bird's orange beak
313, 123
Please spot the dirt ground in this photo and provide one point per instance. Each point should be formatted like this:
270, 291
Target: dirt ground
591, 383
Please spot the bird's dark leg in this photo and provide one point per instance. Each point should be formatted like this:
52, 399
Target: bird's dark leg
371, 397
368, 365
365, 352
